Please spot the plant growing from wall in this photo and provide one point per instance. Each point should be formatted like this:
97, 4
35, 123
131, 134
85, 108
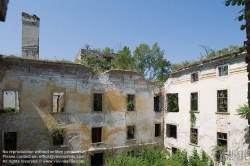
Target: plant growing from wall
173, 102
130, 106
219, 154
9, 110
58, 134
243, 111
192, 118
193, 139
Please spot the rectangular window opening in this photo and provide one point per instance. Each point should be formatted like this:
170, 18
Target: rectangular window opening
173, 105
222, 139
172, 131
96, 134
130, 132
223, 70
157, 104
157, 130
222, 101
194, 136
194, 77
97, 159
130, 102
173, 150
97, 101
58, 102
58, 135
10, 102
194, 101
10, 141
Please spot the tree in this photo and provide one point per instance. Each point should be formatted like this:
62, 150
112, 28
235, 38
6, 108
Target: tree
123, 60
151, 62
108, 50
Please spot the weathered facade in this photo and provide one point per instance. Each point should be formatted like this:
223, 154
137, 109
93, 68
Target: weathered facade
213, 90
93, 110
83, 53
30, 36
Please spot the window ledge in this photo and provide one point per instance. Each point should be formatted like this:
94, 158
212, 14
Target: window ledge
98, 143
157, 111
195, 111
60, 146
131, 141
192, 144
223, 113
97, 111
172, 138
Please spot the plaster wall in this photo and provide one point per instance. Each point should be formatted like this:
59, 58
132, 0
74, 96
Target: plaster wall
209, 122
36, 81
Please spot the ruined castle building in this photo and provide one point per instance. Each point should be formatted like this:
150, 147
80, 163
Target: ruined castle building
30, 36
113, 113
213, 90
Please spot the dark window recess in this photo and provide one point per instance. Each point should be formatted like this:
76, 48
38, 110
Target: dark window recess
97, 159
157, 130
173, 105
194, 101
58, 135
131, 132
173, 150
130, 102
96, 134
58, 102
223, 70
10, 140
222, 101
194, 136
194, 77
172, 131
10, 102
131, 153
98, 102
156, 104
222, 139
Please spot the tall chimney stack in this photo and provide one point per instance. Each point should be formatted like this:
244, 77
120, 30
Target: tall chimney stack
30, 36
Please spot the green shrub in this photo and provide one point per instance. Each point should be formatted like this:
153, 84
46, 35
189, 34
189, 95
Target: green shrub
219, 154
192, 118
10, 110
162, 157
243, 111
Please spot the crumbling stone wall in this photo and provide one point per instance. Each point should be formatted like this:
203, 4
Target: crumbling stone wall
36, 81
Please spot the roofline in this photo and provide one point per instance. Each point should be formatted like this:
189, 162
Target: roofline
207, 61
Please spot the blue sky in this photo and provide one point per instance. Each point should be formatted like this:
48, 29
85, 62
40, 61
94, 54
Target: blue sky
179, 27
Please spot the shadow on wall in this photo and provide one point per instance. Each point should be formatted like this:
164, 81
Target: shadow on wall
247, 137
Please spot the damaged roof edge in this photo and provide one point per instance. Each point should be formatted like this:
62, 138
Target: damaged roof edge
21, 61
207, 61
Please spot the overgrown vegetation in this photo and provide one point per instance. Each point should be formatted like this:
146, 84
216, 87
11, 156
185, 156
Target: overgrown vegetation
162, 157
209, 54
219, 154
58, 135
243, 111
173, 105
192, 118
149, 61
9, 110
